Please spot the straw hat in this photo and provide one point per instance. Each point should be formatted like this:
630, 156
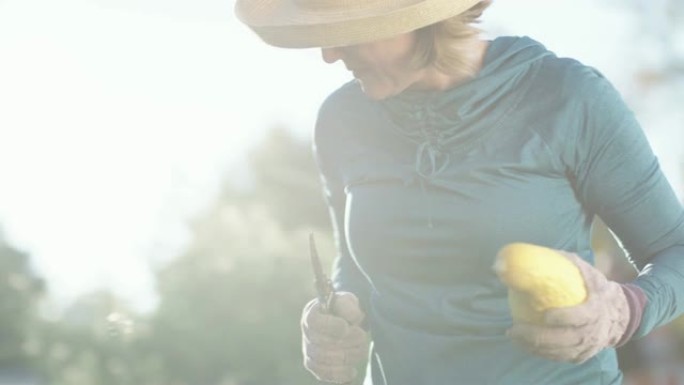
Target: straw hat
331, 23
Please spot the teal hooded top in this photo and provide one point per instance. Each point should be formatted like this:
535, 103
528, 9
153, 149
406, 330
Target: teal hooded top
425, 188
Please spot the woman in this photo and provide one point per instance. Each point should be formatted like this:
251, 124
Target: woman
446, 147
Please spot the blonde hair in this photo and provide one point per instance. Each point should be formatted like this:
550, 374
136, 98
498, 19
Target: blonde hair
447, 45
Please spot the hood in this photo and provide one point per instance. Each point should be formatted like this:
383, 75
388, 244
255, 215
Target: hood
444, 121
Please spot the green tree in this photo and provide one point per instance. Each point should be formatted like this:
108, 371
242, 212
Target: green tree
20, 290
230, 304
98, 341
286, 181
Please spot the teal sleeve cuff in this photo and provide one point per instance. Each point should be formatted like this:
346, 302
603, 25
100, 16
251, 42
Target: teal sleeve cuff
636, 299
662, 280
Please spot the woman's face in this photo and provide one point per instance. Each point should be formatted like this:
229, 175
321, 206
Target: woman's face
382, 67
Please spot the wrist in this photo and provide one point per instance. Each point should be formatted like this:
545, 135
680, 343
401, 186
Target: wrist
636, 301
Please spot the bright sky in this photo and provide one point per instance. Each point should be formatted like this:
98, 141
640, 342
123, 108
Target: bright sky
119, 117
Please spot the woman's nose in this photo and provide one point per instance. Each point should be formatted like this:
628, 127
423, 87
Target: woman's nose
331, 55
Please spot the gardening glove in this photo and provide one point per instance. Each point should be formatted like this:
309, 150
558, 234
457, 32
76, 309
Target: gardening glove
607, 318
334, 343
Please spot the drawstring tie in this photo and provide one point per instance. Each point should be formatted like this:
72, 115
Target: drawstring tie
431, 160
431, 130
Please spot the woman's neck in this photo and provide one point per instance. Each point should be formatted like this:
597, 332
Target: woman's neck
436, 80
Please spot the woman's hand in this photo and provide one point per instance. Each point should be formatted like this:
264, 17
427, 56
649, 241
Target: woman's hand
334, 343
577, 333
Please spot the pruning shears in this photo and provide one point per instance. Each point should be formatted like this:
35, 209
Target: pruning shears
326, 294
324, 287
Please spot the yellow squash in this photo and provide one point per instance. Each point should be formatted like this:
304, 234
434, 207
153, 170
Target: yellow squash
538, 278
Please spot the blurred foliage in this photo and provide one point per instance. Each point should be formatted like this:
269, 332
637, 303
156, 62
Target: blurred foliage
286, 181
20, 290
229, 304
98, 342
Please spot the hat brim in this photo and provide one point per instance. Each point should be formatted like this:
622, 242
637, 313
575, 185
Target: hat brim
334, 31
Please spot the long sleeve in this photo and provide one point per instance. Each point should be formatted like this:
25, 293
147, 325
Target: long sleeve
618, 178
346, 275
